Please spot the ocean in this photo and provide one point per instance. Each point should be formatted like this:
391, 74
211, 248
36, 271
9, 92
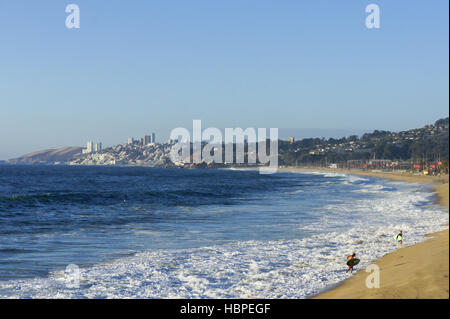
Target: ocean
141, 232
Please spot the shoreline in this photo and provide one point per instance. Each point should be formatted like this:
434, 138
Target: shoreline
420, 271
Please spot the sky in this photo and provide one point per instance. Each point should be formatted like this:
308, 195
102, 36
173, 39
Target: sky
136, 67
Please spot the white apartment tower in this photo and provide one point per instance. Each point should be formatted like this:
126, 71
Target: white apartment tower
152, 139
89, 147
98, 147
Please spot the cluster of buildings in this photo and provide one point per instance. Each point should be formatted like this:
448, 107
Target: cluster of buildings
425, 167
346, 147
135, 153
92, 147
418, 134
142, 151
146, 140
365, 152
368, 141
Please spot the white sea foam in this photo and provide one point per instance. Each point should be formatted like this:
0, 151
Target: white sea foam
260, 269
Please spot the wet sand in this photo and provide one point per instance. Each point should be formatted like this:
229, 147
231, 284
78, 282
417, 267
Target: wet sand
418, 271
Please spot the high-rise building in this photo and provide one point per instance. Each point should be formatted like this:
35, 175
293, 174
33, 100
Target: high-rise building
89, 147
98, 147
147, 139
130, 140
291, 140
152, 140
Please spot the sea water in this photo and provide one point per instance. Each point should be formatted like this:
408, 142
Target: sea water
138, 232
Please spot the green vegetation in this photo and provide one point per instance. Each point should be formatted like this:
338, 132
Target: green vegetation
427, 144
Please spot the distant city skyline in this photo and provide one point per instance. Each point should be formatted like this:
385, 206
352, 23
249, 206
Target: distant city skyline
311, 69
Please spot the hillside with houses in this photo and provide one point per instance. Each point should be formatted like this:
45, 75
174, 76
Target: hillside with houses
426, 146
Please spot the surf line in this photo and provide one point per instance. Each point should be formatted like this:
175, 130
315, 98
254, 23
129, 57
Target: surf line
191, 309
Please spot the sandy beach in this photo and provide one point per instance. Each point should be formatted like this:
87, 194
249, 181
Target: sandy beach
418, 271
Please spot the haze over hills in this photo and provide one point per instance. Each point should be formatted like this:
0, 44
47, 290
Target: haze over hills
427, 143
62, 154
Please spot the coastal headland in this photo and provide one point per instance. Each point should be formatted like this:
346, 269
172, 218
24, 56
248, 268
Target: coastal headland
420, 271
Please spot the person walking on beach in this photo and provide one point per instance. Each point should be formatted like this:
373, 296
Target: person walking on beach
350, 262
399, 239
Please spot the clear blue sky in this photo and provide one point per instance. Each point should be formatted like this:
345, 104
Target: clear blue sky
140, 66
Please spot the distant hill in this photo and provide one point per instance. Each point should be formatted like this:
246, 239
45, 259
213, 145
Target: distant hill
427, 144
62, 154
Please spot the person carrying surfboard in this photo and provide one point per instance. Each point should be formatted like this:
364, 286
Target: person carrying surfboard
351, 262
399, 238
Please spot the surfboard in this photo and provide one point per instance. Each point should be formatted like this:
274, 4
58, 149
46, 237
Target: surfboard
353, 262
